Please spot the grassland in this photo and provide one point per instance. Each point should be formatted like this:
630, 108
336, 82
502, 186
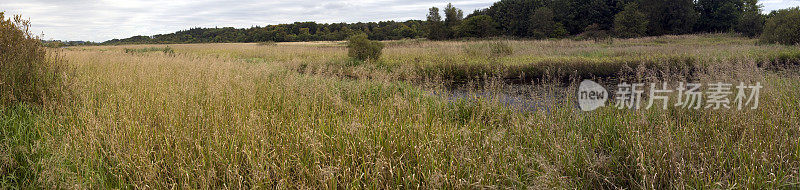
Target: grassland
305, 116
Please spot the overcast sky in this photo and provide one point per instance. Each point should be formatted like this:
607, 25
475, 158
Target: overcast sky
101, 20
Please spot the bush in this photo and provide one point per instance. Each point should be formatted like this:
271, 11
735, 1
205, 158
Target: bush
594, 32
361, 48
27, 74
783, 27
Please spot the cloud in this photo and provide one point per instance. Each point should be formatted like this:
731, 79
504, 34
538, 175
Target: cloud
771, 5
100, 20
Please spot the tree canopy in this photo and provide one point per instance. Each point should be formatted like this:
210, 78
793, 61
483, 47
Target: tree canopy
512, 18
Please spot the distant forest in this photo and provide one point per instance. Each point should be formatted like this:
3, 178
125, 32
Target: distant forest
510, 18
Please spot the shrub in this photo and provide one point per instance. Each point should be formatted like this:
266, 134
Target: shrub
783, 27
631, 22
361, 48
27, 74
594, 32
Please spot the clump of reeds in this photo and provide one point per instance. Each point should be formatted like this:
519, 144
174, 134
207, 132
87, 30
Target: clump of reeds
27, 73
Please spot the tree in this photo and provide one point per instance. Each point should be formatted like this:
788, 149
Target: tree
361, 48
452, 15
783, 27
751, 22
436, 29
630, 22
452, 19
669, 17
480, 26
513, 16
404, 31
542, 25
718, 15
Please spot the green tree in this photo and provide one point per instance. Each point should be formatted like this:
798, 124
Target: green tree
669, 16
436, 29
452, 15
361, 48
751, 22
452, 19
404, 31
513, 16
718, 15
480, 26
542, 25
783, 27
630, 22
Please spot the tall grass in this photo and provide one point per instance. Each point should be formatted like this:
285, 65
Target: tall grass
298, 116
33, 85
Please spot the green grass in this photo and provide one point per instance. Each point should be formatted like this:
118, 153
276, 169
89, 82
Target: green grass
20, 140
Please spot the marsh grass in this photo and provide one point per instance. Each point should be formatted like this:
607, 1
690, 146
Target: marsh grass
298, 116
166, 50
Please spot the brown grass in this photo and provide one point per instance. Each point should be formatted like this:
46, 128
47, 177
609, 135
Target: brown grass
302, 116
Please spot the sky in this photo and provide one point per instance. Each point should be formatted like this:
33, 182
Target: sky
101, 20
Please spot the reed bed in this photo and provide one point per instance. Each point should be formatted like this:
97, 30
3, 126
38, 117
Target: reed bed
305, 116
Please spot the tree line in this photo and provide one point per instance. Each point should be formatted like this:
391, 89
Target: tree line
295, 32
537, 19
622, 18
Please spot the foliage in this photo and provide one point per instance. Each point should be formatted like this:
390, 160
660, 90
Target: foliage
542, 25
436, 28
361, 48
594, 32
669, 17
480, 26
783, 27
514, 18
718, 15
28, 74
630, 22
513, 15
298, 31
751, 22
453, 17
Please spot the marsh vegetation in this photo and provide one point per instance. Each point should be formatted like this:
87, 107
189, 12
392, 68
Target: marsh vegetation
425, 114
